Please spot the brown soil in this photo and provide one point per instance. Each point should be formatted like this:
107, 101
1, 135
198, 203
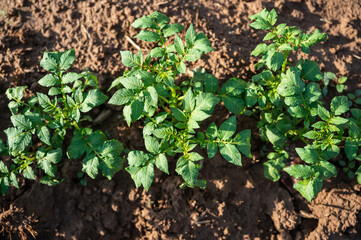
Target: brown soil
239, 203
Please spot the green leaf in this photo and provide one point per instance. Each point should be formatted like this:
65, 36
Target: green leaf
70, 78
137, 107
109, 166
311, 134
274, 136
144, 22
178, 44
28, 173
309, 188
44, 135
342, 80
300, 171
285, 47
129, 59
151, 96
148, 36
178, 114
49, 80
67, 58
189, 101
77, 146
211, 84
351, 149
132, 83
45, 160
91, 165
291, 83
308, 154
269, 36
338, 120
233, 87
3, 168
189, 171
111, 148
96, 139
194, 156
340, 88
327, 169
94, 98
49, 62
339, 105
323, 113
50, 181
161, 117
311, 71
228, 128
122, 96
161, 163
243, 142
272, 17
163, 132
212, 131
212, 149
172, 29
275, 60
273, 167
190, 36
312, 92
157, 52
202, 43
142, 175
264, 76
15, 93
151, 144
54, 91
44, 100
260, 24
159, 17
138, 158
4, 185
230, 153
17, 139
297, 111
192, 55
14, 180
21, 122
234, 104
181, 67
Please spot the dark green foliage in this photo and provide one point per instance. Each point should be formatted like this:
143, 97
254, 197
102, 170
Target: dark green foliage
49, 118
171, 111
290, 107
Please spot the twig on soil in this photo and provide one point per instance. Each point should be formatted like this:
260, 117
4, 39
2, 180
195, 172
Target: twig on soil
102, 116
86, 31
132, 42
358, 57
162, 3
201, 222
305, 214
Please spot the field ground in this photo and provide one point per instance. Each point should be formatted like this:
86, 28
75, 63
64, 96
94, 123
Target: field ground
239, 203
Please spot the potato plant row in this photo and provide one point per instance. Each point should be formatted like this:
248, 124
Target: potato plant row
286, 99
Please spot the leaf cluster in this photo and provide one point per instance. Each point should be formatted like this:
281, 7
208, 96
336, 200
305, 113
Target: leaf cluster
172, 109
290, 106
48, 118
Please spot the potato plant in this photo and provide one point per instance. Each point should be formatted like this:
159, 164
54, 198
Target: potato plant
290, 107
172, 103
48, 118
172, 106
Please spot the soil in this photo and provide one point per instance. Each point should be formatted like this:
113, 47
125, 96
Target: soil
238, 203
